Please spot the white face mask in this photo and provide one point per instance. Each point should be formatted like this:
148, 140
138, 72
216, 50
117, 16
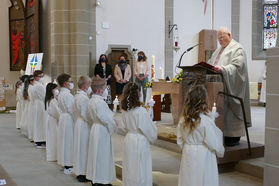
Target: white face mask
105, 94
89, 90
41, 80
71, 86
56, 92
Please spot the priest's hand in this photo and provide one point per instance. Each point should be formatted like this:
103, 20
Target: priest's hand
218, 68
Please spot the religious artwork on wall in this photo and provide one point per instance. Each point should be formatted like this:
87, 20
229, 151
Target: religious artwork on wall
31, 27
17, 45
270, 14
24, 32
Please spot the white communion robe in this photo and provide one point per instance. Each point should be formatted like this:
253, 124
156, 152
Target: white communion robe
51, 130
100, 164
81, 133
30, 114
26, 118
39, 112
137, 158
65, 135
19, 106
236, 82
198, 165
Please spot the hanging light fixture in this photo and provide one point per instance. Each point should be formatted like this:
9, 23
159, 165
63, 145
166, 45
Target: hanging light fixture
176, 46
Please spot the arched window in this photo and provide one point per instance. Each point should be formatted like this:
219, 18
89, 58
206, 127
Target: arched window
270, 23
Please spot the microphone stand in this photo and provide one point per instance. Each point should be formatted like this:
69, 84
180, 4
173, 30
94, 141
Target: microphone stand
189, 49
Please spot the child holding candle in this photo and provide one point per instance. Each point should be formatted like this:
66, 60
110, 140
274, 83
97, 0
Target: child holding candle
137, 159
200, 139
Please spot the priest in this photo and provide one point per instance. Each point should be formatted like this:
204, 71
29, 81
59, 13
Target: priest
230, 60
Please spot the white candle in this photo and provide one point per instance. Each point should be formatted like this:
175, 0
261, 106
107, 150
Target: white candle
161, 73
213, 112
153, 60
115, 103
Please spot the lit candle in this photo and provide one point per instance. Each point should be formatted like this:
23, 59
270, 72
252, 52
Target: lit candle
153, 60
213, 112
115, 103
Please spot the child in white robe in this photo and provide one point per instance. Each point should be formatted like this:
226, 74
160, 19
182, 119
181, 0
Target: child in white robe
200, 139
30, 113
141, 130
81, 130
19, 100
51, 105
39, 112
100, 164
65, 135
25, 119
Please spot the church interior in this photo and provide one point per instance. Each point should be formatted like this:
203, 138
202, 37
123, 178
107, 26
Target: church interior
175, 35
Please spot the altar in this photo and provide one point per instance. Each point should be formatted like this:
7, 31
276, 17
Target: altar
178, 92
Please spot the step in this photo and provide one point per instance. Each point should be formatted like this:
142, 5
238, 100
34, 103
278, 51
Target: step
159, 178
252, 167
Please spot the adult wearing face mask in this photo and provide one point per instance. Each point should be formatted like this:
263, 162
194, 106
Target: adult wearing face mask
122, 74
65, 134
81, 130
39, 113
104, 70
141, 72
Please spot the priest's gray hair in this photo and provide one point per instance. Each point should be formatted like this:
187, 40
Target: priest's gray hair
224, 29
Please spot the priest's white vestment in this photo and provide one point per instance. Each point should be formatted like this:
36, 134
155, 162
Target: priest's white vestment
81, 133
235, 74
65, 136
100, 164
198, 165
137, 158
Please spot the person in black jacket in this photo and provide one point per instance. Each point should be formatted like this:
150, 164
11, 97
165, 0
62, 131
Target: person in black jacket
104, 70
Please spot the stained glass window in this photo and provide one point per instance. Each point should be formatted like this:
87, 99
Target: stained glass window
270, 25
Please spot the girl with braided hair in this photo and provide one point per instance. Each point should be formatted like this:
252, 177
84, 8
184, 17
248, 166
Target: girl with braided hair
200, 139
141, 130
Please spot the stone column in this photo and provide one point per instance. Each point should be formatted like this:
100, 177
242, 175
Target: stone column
72, 36
271, 157
168, 40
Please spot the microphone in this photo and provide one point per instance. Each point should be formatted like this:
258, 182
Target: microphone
193, 47
189, 49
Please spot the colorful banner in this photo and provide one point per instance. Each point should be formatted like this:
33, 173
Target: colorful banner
34, 62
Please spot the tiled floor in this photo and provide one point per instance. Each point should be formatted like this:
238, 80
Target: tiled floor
27, 166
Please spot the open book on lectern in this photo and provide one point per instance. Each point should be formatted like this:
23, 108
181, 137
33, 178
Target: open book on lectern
202, 66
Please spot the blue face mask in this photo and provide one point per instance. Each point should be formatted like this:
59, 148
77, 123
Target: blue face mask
140, 58
103, 59
122, 61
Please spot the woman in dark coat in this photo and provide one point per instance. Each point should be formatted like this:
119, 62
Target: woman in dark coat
104, 70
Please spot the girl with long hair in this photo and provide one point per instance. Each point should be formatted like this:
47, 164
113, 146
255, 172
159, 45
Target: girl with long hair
141, 130
51, 105
19, 102
200, 139
26, 102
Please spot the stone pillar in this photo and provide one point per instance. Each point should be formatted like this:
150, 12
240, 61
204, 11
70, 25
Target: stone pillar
235, 19
72, 36
168, 40
271, 168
